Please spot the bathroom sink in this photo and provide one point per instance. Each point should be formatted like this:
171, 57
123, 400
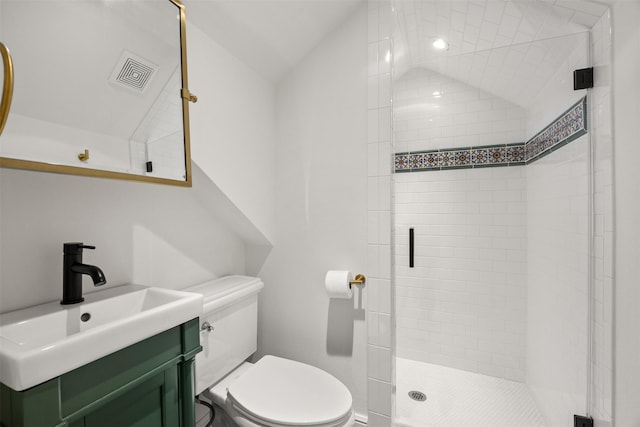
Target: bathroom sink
42, 342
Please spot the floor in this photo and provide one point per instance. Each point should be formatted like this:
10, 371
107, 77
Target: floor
456, 398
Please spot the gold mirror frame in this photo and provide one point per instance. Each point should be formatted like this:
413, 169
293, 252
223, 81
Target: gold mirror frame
98, 173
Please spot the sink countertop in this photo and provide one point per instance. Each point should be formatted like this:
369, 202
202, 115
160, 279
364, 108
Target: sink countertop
42, 342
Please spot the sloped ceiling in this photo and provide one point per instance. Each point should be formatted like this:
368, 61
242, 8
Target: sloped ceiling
271, 36
491, 41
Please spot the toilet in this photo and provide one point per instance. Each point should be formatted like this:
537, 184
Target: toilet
272, 392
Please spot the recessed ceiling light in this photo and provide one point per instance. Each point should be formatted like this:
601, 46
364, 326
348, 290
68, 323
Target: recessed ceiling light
440, 44
437, 94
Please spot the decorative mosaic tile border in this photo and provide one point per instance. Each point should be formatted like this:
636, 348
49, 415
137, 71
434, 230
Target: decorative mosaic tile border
571, 125
461, 158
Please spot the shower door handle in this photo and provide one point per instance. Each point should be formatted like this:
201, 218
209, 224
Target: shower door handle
7, 86
411, 244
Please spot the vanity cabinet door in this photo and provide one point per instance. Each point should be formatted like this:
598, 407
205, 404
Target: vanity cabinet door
153, 403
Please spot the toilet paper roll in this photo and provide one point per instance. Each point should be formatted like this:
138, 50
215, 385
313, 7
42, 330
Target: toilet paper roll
337, 284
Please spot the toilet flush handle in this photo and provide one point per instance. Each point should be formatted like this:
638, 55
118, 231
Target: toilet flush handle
206, 326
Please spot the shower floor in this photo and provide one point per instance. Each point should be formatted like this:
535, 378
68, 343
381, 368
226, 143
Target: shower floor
458, 398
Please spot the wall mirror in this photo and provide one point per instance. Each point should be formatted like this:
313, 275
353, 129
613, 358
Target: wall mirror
99, 89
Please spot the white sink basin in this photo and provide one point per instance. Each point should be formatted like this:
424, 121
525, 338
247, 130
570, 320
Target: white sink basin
42, 342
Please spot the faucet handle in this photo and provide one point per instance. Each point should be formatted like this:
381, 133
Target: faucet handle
75, 248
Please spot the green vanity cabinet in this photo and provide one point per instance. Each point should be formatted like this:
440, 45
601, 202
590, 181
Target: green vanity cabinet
148, 384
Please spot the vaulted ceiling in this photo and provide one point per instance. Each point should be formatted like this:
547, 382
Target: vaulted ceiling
510, 48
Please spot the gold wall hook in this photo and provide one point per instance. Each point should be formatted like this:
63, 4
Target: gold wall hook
7, 85
359, 280
83, 157
189, 96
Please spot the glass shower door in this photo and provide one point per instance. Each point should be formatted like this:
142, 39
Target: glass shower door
493, 179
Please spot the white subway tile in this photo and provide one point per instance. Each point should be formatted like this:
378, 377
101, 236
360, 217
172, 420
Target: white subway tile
373, 161
385, 90
384, 124
384, 200
385, 296
373, 291
373, 260
385, 18
384, 330
373, 193
379, 397
372, 92
378, 420
373, 227
384, 57
384, 271
372, 25
372, 67
373, 328
385, 159
372, 126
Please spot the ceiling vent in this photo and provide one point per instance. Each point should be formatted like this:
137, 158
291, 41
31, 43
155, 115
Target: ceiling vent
133, 72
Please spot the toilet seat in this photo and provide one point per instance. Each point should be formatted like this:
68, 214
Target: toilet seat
279, 392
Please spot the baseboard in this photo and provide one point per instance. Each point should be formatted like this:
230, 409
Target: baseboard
361, 420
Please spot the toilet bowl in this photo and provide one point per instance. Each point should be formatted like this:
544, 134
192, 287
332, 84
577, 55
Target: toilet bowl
273, 392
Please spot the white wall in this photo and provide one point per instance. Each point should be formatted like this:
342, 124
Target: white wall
463, 305
143, 233
321, 214
233, 128
626, 67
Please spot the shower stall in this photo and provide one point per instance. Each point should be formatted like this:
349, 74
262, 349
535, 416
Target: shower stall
501, 212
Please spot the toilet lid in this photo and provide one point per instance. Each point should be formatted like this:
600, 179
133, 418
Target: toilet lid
282, 391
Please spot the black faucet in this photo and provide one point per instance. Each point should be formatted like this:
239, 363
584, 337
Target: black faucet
73, 269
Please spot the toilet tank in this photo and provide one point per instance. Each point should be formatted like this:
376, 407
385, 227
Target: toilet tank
231, 307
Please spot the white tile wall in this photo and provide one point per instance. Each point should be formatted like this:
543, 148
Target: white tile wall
463, 305
378, 289
433, 111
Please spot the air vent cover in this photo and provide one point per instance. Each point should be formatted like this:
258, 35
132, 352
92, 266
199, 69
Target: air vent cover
133, 72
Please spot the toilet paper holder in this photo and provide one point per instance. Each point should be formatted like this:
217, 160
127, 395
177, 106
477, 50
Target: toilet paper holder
359, 280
